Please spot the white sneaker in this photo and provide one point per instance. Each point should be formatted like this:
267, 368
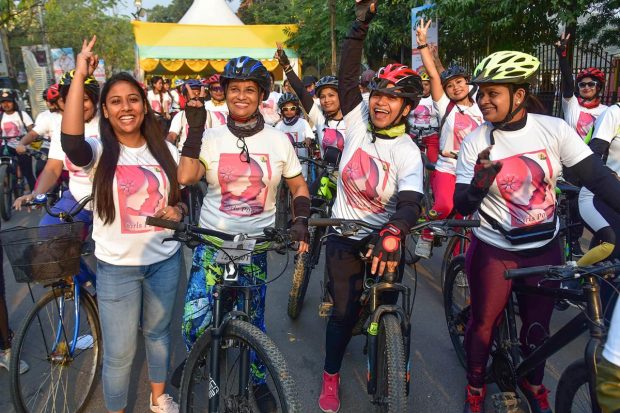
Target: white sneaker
165, 404
5, 361
423, 247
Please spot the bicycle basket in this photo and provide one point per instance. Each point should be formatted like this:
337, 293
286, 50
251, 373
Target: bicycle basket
46, 253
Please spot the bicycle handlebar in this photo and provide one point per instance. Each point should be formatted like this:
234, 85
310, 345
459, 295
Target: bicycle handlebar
46, 200
563, 271
335, 222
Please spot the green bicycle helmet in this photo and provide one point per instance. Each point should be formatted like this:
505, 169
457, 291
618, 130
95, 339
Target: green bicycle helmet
506, 67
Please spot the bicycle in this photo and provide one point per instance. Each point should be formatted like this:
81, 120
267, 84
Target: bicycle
217, 370
8, 177
321, 204
60, 336
387, 326
196, 195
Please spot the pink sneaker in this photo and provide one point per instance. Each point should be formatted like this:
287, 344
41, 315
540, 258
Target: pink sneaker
329, 401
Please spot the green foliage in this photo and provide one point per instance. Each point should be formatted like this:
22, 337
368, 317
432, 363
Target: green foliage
602, 24
171, 13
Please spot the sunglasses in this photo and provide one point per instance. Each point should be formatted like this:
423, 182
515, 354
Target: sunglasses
216, 89
290, 108
587, 84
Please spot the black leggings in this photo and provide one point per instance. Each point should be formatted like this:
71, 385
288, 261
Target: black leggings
25, 165
5, 335
346, 271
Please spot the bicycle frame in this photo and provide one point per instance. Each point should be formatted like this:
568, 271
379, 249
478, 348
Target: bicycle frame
592, 321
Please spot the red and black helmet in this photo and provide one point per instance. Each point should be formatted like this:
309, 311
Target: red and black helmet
407, 83
213, 79
594, 73
52, 94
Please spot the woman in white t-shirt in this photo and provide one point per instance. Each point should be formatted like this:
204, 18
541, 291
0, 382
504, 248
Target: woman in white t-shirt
506, 174
296, 128
134, 176
426, 118
217, 110
160, 102
243, 163
380, 182
459, 115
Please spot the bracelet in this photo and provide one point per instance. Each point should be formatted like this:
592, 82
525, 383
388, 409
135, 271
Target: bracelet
422, 46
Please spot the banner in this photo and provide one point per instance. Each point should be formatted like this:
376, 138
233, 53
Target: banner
99, 74
432, 36
62, 61
36, 63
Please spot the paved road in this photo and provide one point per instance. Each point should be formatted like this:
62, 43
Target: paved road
437, 380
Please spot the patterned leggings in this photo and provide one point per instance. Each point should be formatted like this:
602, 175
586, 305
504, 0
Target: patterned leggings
198, 309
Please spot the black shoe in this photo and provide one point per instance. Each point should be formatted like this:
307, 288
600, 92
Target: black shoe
175, 380
264, 398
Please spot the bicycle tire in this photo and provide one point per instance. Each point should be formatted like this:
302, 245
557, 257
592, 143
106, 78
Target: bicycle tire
282, 206
6, 180
391, 395
449, 254
573, 385
303, 270
456, 306
30, 336
239, 333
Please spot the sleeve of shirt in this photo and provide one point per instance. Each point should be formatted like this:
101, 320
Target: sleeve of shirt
316, 115
176, 125
308, 130
204, 150
468, 155
292, 167
97, 149
568, 104
572, 148
607, 126
441, 106
410, 169
27, 119
42, 125
356, 121
55, 151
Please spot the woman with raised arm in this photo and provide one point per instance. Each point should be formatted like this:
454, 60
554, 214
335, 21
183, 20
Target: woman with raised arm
243, 163
506, 174
380, 183
134, 176
326, 116
458, 115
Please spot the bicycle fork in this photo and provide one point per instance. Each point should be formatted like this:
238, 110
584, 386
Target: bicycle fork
58, 353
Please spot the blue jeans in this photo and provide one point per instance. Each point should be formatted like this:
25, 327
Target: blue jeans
127, 295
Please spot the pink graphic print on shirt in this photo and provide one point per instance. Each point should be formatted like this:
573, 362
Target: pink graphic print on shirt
292, 136
220, 116
364, 179
156, 106
525, 184
11, 129
244, 191
422, 115
584, 124
142, 191
332, 137
463, 125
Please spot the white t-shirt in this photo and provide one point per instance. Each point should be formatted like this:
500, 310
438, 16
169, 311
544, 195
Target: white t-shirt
366, 97
46, 124
578, 117
372, 173
459, 123
612, 345
159, 104
140, 189
217, 115
180, 126
331, 133
269, 108
80, 183
13, 127
523, 193
424, 115
242, 195
175, 103
296, 133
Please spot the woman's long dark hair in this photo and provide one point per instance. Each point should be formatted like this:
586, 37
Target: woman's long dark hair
106, 168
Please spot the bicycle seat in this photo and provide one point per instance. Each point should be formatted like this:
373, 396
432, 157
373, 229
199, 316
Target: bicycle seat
567, 188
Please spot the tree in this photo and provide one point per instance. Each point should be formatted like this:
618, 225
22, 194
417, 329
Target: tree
602, 24
171, 13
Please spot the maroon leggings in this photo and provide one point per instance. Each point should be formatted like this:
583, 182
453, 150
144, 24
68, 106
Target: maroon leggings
485, 266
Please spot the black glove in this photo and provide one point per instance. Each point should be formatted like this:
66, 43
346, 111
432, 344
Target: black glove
484, 175
196, 115
299, 230
561, 47
363, 12
282, 58
387, 244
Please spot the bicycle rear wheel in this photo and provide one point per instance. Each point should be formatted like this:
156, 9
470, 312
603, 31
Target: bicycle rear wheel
198, 191
456, 303
455, 246
391, 395
573, 392
57, 380
283, 206
239, 336
8, 181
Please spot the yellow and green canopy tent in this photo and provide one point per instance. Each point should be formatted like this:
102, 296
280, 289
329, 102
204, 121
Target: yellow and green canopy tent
189, 49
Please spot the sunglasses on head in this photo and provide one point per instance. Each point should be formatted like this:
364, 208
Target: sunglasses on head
289, 108
216, 89
587, 84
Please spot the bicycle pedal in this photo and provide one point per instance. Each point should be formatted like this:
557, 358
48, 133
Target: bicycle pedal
506, 402
325, 309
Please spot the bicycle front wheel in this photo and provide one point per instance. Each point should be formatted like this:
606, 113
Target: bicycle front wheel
391, 395
239, 338
7, 179
456, 302
58, 380
283, 206
573, 392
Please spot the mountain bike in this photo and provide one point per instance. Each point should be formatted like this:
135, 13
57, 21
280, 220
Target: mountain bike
387, 326
60, 337
322, 201
216, 375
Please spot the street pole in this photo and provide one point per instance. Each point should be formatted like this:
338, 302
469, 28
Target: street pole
46, 44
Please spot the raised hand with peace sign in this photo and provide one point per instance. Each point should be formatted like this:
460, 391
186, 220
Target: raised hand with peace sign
86, 61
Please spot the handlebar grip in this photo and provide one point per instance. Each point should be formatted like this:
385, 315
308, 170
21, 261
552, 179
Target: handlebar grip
324, 222
463, 223
165, 223
527, 272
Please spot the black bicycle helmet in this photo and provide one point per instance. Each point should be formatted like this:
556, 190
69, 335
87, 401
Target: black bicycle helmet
8, 95
246, 68
287, 98
326, 81
90, 84
452, 72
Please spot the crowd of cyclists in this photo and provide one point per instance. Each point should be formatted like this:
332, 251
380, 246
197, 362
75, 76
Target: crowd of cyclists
496, 156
